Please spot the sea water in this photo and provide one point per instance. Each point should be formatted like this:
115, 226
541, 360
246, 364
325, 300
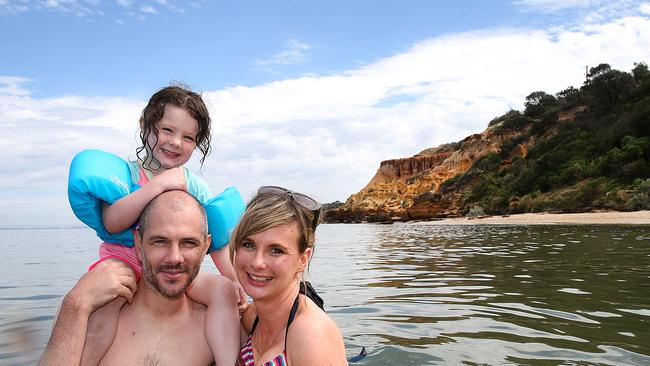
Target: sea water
411, 294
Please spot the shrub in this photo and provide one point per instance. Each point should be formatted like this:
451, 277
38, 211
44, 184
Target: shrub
640, 197
476, 211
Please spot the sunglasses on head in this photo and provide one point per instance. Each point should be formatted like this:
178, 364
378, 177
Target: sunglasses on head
301, 199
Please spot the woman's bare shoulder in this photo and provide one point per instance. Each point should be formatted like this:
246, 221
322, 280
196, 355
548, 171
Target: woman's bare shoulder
315, 339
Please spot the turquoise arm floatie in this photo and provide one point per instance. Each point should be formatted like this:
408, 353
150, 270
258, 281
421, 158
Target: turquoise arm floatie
224, 212
96, 177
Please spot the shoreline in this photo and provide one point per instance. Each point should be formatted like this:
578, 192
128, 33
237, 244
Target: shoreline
587, 218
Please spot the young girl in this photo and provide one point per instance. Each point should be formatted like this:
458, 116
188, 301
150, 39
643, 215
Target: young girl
174, 123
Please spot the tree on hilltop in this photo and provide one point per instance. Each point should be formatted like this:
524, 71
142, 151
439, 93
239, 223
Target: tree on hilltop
537, 102
640, 71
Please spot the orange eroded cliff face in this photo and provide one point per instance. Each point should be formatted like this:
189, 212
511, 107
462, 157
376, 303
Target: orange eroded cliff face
409, 188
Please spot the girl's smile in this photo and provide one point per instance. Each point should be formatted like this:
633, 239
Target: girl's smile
176, 139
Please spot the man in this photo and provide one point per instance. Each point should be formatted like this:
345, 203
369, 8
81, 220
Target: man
160, 324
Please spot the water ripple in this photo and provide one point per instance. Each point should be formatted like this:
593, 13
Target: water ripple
417, 294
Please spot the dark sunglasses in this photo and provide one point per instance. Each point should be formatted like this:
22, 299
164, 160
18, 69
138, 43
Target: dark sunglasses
302, 199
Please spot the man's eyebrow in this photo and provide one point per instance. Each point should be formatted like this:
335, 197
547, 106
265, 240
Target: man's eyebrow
157, 237
191, 238
183, 239
198, 238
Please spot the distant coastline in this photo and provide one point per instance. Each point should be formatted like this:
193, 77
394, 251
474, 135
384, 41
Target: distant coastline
42, 227
587, 218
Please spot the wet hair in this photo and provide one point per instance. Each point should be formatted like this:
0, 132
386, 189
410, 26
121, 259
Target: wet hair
177, 201
180, 96
268, 210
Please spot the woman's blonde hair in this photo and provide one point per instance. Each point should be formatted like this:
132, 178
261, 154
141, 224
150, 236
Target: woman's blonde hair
268, 210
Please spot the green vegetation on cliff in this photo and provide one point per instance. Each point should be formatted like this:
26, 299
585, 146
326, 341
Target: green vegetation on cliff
577, 150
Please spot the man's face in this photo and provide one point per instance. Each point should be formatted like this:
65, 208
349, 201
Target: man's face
172, 248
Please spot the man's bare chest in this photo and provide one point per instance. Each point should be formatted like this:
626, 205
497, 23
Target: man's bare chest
163, 342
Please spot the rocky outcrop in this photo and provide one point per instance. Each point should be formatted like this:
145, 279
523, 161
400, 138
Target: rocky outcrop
409, 188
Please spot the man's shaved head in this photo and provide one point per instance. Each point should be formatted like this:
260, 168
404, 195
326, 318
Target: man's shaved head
175, 200
171, 242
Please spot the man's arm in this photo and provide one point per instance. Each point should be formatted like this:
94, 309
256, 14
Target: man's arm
108, 280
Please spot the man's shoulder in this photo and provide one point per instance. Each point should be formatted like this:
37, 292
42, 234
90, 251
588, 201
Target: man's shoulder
196, 306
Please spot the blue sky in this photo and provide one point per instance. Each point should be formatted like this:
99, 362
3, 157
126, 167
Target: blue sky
311, 95
217, 44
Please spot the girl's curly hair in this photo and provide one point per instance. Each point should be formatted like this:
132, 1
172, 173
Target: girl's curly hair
179, 96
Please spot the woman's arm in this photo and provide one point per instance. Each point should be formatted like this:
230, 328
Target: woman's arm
123, 213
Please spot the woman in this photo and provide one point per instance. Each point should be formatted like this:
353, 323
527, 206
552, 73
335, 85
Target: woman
272, 246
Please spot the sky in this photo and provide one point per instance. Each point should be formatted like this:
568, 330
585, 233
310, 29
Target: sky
310, 95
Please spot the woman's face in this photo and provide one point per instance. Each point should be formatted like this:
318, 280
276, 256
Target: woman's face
269, 263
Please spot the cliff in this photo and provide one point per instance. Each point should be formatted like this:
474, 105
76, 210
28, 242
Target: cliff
409, 188
580, 150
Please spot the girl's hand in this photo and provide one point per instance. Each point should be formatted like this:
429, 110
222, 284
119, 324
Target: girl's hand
171, 179
242, 300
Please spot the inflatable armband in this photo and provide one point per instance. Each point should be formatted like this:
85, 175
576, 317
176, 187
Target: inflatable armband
224, 212
96, 177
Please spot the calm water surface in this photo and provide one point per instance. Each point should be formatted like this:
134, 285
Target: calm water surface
412, 294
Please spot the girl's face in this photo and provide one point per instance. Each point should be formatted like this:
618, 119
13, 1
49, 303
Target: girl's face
268, 264
177, 131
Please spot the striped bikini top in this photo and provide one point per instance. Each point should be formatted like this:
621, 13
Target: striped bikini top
246, 357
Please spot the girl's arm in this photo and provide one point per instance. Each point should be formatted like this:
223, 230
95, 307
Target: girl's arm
221, 259
222, 329
123, 213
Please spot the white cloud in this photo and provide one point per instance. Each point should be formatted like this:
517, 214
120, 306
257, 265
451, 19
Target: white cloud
293, 52
554, 5
83, 8
645, 8
167, 4
62, 4
11, 85
580, 12
440, 90
9, 8
78, 8
124, 3
197, 5
148, 9
324, 135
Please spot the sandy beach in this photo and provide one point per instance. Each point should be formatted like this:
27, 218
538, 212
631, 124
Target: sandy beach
605, 217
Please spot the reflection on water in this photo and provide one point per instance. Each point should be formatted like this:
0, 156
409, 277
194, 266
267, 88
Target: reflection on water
413, 294
424, 294
38, 267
